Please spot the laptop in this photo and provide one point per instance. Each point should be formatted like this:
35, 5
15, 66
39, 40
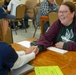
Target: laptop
22, 70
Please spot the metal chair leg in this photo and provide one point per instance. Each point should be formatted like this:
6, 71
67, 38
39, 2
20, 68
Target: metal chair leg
35, 31
33, 21
24, 25
15, 27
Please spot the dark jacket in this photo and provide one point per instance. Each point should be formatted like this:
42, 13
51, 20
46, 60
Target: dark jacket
8, 56
48, 38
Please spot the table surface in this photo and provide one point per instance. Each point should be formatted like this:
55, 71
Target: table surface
66, 62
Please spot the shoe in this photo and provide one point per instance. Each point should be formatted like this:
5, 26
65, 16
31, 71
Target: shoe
20, 27
27, 26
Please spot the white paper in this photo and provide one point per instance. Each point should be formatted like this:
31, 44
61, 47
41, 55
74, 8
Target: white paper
27, 44
57, 50
24, 43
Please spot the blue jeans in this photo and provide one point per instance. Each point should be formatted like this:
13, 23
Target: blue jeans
26, 17
10, 16
46, 25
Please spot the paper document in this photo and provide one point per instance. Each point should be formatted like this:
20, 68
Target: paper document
57, 50
48, 70
24, 43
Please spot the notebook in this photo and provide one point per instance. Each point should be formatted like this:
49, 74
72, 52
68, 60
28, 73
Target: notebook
22, 70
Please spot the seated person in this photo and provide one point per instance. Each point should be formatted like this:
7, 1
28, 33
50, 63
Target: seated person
6, 2
62, 33
3, 14
6, 17
11, 59
29, 14
46, 7
12, 8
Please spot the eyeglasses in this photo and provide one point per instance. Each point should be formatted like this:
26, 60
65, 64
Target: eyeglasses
63, 12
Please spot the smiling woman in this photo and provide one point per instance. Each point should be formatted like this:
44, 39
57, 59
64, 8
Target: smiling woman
66, 13
62, 33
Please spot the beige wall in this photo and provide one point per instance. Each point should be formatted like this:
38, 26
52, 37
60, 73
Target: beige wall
68, 0
25, 1
40, 0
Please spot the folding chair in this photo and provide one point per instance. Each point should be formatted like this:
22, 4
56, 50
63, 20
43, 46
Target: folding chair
53, 16
59, 2
20, 12
36, 8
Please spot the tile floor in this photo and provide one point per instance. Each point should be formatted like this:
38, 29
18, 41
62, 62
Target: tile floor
22, 35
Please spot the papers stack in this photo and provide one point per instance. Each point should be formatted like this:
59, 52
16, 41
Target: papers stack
24, 43
27, 44
48, 70
57, 50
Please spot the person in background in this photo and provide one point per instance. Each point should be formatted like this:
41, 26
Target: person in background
5, 16
46, 7
12, 8
6, 2
29, 14
62, 33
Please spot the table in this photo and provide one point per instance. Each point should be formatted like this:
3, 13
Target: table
66, 62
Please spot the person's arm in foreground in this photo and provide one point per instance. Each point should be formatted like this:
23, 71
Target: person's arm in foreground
47, 39
23, 58
13, 59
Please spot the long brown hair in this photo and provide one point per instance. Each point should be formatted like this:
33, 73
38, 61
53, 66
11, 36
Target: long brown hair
1, 30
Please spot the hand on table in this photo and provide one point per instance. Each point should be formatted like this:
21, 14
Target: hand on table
59, 44
32, 49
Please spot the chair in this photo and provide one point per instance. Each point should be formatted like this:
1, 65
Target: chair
59, 2
36, 8
53, 16
20, 12
5, 32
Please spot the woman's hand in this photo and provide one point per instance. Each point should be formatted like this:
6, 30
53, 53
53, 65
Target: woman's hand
59, 44
34, 49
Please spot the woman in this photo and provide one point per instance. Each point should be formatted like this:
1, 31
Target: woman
62, 33
9, 58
